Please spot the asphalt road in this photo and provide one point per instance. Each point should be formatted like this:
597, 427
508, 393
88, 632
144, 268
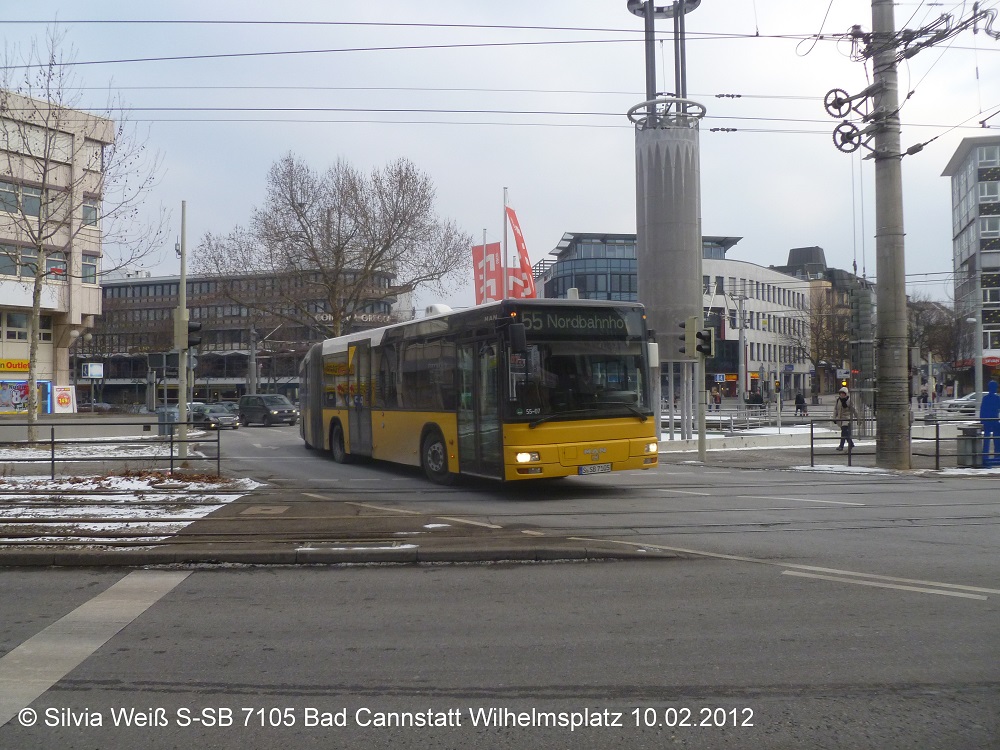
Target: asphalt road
671, 653
788, 610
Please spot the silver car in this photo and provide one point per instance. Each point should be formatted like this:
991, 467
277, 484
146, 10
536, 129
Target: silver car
963, 406
214, 417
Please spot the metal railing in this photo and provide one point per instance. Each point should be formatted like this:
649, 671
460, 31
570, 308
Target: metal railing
61, 450
971, 448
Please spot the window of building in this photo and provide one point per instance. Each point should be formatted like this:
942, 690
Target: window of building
989, 192
8, 260
18, 198
89, 269
45, 328
91, 212
29, 262
988, 156
55, 265
989, 226
16, 327
31, 201
8, 197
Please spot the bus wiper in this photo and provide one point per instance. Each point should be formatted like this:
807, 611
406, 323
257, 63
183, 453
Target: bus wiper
642, 417
557, 414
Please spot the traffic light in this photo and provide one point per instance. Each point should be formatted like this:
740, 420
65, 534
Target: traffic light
706, 342
690, 337
843, 382
186, 332
193, 335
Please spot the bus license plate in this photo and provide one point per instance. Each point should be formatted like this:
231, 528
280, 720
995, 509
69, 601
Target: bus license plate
595, 469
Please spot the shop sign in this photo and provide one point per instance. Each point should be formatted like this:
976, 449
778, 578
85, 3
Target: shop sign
15, 365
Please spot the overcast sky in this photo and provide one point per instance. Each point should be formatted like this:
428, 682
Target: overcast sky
531, 96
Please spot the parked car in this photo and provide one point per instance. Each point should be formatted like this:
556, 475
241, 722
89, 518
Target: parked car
233, 407
214, 417
94, 407
268, 409
965, 405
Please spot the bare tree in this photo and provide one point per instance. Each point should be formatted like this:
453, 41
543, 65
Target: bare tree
340, 236
71, 182
828, 330
933, 327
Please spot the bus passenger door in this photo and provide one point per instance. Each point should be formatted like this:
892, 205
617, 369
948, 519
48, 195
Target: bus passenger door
479, 450
360, 418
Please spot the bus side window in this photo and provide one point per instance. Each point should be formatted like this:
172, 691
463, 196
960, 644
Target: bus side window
385, 390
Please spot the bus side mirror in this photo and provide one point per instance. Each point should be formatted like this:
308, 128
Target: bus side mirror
518, 340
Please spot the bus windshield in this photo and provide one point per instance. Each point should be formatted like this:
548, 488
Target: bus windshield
577, 378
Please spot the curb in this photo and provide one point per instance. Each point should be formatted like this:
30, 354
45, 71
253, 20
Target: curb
316, 556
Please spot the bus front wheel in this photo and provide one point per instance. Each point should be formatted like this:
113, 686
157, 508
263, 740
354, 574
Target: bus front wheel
434, 458
337, 450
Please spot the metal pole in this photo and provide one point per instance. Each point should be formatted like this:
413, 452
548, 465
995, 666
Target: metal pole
893, 418
670, 398
978, 348
649, 27
699, 374
503, 264
484, 262
742, 358
252, 364
777, 368
682, 45
180, 340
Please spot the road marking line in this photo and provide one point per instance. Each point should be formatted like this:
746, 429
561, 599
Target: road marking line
532, 533
265, 510
688, 492
778, 564
883, 585
379, 507
40, 662
775, 498
471, 523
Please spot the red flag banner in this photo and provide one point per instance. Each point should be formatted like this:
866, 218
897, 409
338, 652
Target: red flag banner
488, 272
520, 281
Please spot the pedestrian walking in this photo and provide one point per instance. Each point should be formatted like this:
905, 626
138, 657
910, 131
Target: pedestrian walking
717, 399
800, 405
844, 414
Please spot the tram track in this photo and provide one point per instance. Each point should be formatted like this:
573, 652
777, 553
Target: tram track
63, 517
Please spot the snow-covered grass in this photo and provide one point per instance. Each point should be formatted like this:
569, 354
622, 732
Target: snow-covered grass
154, 503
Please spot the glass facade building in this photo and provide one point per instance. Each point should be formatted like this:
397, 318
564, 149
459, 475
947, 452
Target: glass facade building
599, 266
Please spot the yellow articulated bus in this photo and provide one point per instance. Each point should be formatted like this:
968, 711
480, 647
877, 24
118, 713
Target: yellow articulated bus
519, 389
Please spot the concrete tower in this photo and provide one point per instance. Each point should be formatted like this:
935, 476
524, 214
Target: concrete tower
668, 210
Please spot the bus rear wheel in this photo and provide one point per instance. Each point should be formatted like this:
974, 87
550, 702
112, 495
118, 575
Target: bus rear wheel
434, 458
337, 450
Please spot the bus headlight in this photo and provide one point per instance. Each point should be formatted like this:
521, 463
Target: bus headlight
523, 458
651, 447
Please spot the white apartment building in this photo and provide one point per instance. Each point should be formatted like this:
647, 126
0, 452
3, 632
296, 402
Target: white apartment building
51, 169
974, 170
775, 323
